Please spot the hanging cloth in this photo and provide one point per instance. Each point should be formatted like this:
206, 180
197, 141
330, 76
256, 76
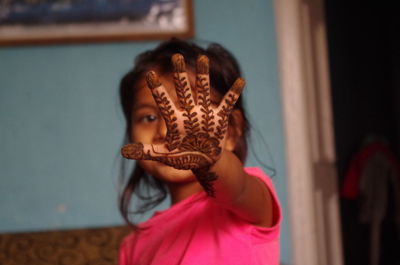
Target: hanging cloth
372, 172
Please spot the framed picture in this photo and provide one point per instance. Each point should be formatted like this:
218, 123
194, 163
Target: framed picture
72, 21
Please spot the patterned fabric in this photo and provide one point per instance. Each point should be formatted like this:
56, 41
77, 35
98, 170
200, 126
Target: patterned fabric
95, 246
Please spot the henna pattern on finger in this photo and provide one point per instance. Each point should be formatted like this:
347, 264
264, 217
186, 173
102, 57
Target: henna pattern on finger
224, 113
184, 93
134, 151
152, 80
182, 160
202, 65
222, 126
203, 94
179, 160
227, 106
172, 137
165, 107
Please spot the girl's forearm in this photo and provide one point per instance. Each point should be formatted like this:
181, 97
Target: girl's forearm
229, 185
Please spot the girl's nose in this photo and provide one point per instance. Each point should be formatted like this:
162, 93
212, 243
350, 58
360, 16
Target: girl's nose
161, 131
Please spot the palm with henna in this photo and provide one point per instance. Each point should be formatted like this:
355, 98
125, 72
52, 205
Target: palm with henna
196, 130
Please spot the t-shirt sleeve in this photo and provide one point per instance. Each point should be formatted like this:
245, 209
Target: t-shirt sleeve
272, 232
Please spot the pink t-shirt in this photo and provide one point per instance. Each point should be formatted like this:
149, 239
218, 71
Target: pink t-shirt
198, 231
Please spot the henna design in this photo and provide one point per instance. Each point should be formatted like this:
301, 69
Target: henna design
201, 143
222, 124
152, 80
166, 109
133, 151
205, 178
179, 63
182, 160
195, 140
167, 112
203, 94
224, 113
227, 104
184, 94
202, 65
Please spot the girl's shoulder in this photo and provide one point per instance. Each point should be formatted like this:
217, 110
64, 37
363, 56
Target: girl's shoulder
277, 211
257, 172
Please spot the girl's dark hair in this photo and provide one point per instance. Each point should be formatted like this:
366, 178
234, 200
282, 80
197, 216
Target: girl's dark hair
224, 70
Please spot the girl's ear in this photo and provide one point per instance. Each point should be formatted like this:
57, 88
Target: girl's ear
235, 130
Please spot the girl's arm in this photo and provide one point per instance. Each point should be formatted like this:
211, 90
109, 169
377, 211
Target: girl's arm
245, 195
196, 139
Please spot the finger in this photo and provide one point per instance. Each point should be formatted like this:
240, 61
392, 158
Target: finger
179, 160
160, 94
202, 80
182, 84
230, 98
139, 151
133, 151
167, 108
203, 93
226, 106
185, 94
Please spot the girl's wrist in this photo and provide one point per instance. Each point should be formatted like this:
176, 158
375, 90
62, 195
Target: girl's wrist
208, 174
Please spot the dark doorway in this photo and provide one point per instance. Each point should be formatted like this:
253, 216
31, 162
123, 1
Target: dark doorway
364, 55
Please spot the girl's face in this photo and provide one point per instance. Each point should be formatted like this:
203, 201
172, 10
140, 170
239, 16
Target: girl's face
148, 127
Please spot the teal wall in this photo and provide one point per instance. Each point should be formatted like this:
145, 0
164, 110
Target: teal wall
61, 127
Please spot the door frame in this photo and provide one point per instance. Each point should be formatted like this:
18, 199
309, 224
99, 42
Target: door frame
313, 199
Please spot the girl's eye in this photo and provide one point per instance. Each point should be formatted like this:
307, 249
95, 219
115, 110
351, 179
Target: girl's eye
147, 118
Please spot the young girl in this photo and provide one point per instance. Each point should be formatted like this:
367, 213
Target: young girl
188, 130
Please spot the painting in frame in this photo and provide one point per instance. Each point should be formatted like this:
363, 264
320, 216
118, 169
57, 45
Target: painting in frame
73, 21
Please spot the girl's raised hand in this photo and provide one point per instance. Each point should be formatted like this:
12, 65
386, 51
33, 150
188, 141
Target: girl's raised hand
196, 130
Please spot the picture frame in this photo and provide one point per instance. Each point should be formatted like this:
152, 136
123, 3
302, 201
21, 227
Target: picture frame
24, 22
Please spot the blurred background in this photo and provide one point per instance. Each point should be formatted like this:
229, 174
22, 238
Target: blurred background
62, 128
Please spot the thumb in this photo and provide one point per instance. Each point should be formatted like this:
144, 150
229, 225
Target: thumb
139, 151
158, 152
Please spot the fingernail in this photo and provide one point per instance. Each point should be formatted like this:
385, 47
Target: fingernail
238, 86
202, 66
133, 151
178, 62
152, 80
